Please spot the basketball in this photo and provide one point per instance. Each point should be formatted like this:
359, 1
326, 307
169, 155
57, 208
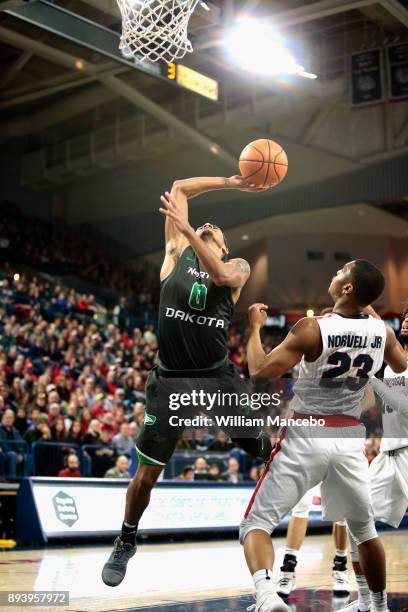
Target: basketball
264, 162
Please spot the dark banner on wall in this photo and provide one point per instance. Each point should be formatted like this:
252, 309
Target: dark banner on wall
367, 84
397, 56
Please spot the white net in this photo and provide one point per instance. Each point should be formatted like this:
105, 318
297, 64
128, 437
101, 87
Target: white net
155, 29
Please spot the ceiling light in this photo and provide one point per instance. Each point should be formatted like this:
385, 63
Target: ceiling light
244, 237
258, 48
310, 312
308, 75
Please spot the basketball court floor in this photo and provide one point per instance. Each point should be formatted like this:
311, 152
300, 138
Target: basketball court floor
184, 577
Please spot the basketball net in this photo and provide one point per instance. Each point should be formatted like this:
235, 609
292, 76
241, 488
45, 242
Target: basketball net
155, 29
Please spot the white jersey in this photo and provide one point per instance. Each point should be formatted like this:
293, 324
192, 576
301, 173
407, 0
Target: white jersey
353, 350
395, 416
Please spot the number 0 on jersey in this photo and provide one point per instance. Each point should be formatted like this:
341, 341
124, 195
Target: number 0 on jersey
198, 296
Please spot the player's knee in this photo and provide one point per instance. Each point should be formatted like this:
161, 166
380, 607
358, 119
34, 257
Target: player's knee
353, 548
362, 532
145, 478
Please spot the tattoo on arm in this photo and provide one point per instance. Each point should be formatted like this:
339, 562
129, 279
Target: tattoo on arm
242, 266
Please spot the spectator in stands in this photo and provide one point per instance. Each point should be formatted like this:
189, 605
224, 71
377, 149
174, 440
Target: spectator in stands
138, 414
214, 473
238, 357
120, 470
89, 391
185, 442
93, 433
254, 473
21, 422
74, 435
71, 415
109, 425
200, 469
58, 433
232, 474
9, 438
121, 313
187, 473
123, 441
103, 456
35, 433
149, 336
222, 443
133, 430
40, 401
201, 441
86, 418
54, 413
72, 469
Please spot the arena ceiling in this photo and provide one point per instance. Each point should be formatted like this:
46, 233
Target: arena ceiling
89, 126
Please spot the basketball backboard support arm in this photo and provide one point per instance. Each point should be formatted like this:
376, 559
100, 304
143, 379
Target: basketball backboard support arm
10, 4
75, 28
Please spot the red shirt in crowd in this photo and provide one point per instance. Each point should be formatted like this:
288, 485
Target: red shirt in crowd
67, 473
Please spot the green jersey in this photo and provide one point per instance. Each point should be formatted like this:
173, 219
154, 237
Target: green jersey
194, 317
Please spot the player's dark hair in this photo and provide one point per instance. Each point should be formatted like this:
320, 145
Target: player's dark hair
368, 282
405, 310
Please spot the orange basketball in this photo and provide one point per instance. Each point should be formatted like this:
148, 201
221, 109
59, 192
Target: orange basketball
264, 162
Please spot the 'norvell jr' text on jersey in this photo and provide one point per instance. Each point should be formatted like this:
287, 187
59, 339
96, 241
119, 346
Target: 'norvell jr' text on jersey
353, 350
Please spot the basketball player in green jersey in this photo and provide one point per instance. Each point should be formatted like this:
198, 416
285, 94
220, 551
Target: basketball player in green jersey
199, 288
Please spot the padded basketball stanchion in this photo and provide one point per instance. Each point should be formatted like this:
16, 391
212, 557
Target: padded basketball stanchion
155, 29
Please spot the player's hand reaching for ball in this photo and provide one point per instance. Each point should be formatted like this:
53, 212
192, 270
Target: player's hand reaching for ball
176, 213
239, 182
257, 315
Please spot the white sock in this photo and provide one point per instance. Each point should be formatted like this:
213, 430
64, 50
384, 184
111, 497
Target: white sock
291, 551
379, 601
364, 599
340, 553
263, 581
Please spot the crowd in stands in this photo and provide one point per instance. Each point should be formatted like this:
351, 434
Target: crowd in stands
66, 249
77, 386
64, 377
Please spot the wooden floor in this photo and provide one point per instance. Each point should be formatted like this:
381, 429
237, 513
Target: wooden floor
174, 573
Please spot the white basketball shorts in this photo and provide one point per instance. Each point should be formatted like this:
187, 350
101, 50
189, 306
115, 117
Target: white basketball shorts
301, 460
389, 486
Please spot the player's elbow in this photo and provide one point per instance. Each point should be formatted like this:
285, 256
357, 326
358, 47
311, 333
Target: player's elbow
257, 372
179, 186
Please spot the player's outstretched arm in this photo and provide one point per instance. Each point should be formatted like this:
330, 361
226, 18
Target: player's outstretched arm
303, 339
394, 354
193, 187
233, 274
